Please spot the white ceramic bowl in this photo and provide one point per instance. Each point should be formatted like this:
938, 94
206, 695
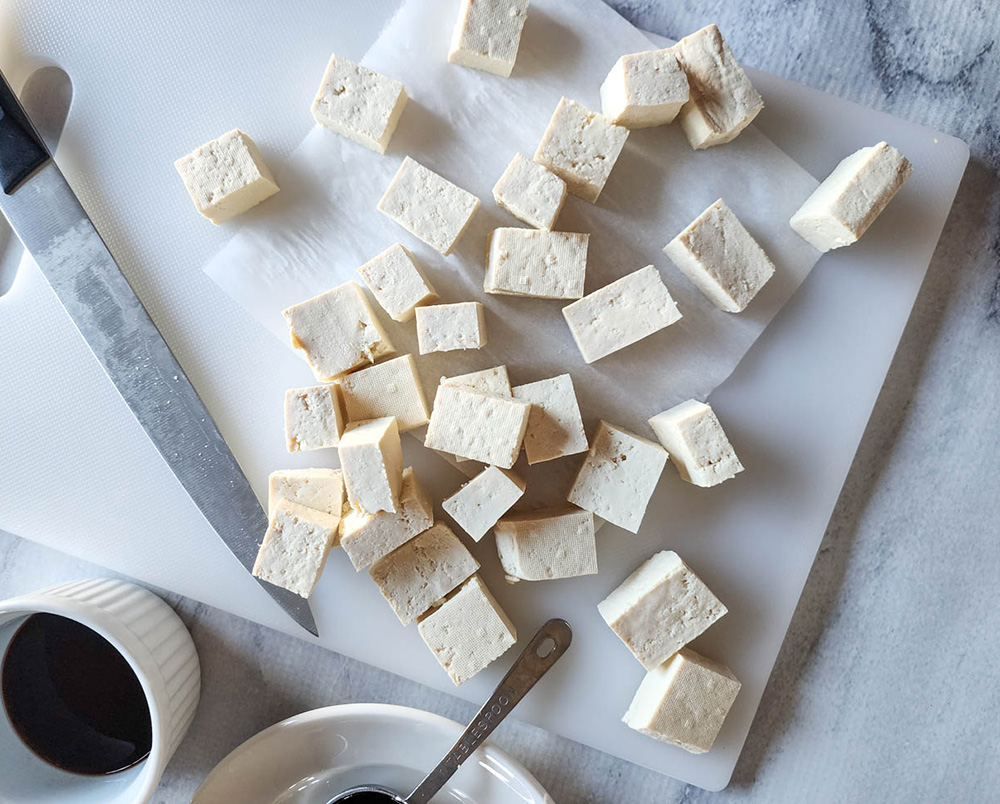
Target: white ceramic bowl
311, 757
154, 641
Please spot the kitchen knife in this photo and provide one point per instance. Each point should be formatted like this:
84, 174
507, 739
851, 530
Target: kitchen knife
49, 220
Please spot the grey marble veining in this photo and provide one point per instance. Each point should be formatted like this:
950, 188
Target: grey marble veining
885, 688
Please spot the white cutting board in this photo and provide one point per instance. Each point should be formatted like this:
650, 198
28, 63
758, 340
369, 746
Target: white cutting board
76, 472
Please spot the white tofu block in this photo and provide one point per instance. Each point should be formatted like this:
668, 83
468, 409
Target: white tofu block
530, 262
397, 282
684, 701
226, 177
371, 459
659, 608
428, 206
555, 427
417, 575
697, 444
849, 200
468, 632
483, 427
494, 380
391, 388
542, 545
368, 537
720, 256
322, 489
478, 504
337, 331
723, 100
491, 381
314, 417
359, 104
295, 547
618, 476
450, 327
620, 314
530, 192
581, 147
488, 34
645, 89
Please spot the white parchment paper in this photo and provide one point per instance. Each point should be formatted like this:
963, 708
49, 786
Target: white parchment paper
467, 125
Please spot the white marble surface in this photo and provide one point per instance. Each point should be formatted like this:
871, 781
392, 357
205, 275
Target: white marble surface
885, 688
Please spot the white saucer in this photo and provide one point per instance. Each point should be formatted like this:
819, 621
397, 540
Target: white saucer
311, 757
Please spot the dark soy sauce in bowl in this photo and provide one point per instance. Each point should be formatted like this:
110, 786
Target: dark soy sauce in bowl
73, 699
367, 797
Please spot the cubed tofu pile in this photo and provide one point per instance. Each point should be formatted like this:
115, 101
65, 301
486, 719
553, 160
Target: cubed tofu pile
376, 508
656, 612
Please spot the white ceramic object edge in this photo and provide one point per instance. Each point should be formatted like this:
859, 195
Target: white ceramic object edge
215, 782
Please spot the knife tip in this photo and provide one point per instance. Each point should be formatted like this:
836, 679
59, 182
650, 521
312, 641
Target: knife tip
294, 606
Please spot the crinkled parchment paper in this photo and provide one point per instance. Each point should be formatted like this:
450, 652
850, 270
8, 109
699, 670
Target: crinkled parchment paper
467, 125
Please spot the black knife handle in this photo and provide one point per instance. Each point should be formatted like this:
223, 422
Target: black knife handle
22, 151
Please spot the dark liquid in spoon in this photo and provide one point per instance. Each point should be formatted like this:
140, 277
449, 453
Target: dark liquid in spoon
73, 699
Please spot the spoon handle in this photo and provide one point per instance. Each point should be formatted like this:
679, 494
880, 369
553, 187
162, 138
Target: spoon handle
533, 663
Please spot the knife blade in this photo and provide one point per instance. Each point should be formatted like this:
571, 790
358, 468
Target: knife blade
46, 215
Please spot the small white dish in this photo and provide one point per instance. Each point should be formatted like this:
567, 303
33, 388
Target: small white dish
154, 641
311, 757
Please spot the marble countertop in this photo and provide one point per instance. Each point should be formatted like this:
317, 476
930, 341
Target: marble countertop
863, 704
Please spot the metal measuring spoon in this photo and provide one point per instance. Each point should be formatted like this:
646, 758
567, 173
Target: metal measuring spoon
534, 662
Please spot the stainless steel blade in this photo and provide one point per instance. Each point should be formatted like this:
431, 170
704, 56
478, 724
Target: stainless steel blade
49, 220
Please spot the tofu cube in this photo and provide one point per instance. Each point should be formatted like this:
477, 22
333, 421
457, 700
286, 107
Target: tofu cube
494, 380
450, 327
723, 100
368, 537
488, 34
314, 417
358, 103
684, 701
397, 282
226, 177
620, 314
468, 632
645, 89
428, 206
720, 256
414, 577
618, 476
295, 547
542, 545
483, 427
371, 459
322, 489
478, 504
659, 608
581, 147
491, 381
337, 331
849, 200
529, 262
555, 427
530, 192
697, 444
391, 388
